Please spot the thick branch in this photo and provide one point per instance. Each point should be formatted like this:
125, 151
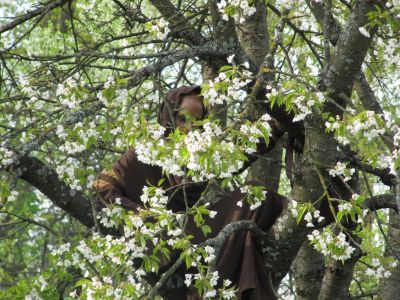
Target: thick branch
337, 279
217, 242
253, 34
388, 287
361, 86
381, 201
183, 29
350, 51
209, 49
31, 14
308, 269
47, 181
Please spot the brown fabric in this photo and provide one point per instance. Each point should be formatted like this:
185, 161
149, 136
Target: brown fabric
240, 259
170, 106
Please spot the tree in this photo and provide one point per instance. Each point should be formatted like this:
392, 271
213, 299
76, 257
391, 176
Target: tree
82, 80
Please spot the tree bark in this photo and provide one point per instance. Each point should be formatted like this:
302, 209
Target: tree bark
337, 279
389, 287
308, 270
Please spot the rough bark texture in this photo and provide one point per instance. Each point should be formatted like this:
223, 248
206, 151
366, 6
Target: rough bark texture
253, 34
282, 245
350, 51
254, 40
267, 169
389, 287
308, 269
223, 31
311, 180
361, 85
337, 279
47, 181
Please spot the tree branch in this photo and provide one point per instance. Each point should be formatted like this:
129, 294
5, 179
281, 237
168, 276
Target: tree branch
47, 7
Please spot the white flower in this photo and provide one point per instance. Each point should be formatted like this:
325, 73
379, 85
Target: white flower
188, 279
227, 282
364, 32
308, 217
13, 196
212, 214
228, 294
43, 283
255, 205
210, 294
73, 294
345, 207
387, 274
214, 278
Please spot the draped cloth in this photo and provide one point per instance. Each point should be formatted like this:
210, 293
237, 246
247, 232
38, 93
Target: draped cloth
240, 259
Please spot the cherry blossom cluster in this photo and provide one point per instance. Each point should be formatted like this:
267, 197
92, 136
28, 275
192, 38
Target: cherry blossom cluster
188, 151
7, 156
378, 270
159, 28
209, 254
209, 283
396, 135
37, 97
253, 194
394, 4
228, 86
238, 9
340, 169
311, 217
201, 154
104, 254
364, 31
389, 161
331, 245
334, 124
68, 93
154, 197
281, 224
13, 196
68, 170
108, 254
109, 217
299, 100
367, 124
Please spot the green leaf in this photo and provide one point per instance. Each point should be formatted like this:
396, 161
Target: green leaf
301, 213
188, 261
82, 282
206, 229
339, 216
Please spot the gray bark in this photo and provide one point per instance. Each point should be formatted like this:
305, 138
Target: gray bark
282, 245
308, 269
254, 40
389, 287
337, 279
46, 180
253, 34
267, 170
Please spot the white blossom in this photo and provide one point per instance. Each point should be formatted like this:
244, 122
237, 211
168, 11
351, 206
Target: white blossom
364, 32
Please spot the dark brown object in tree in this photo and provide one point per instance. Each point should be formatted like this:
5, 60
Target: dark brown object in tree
240, 259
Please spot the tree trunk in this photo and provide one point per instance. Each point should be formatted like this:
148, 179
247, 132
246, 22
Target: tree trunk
389, 287
308, 269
